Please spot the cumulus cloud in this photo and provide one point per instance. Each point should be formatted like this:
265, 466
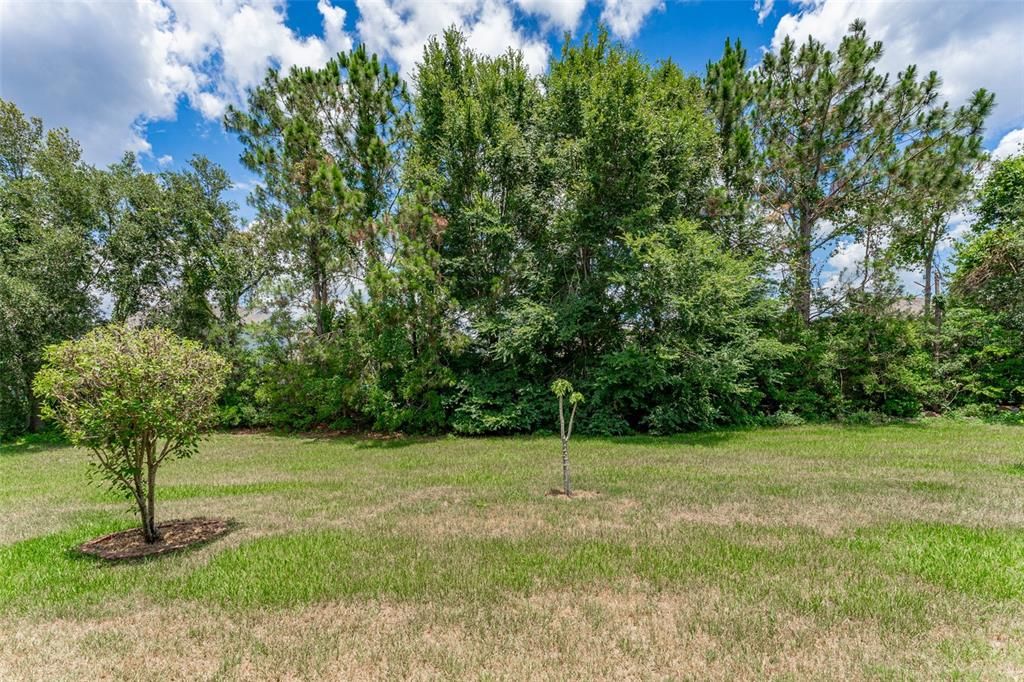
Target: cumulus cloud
563, 14
847, 256
105, 69
971, 44
399, 29
763, 9
625, 17
1012, 143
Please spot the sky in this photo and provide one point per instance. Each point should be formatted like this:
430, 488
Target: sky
155, 76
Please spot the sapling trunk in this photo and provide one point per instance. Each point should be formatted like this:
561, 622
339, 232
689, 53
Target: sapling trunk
566, 434
566, 483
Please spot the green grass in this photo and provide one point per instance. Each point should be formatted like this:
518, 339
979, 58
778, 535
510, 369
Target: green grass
818, 551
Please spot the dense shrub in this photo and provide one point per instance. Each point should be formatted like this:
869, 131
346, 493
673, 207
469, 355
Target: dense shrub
980, 360
861, 360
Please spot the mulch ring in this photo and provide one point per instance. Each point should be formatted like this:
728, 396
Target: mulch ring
177, 534
576, 494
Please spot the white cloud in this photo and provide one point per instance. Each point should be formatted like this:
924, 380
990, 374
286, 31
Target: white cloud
625, 17
105, 69
563, 14
971, 44
847, 256
399, 29
165, 161
1012, 143
763, 9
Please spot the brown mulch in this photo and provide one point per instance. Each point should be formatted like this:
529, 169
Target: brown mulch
576, 494
177, 534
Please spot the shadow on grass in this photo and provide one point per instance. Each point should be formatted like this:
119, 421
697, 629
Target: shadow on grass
706, 439
229, 526
371, 440
33, 443
374, 442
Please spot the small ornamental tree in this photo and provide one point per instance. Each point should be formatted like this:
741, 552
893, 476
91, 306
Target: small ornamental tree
135, 398
563, 389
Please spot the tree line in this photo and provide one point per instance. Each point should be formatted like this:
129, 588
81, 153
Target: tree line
430, 258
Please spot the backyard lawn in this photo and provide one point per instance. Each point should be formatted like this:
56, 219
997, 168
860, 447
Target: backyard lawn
808, 552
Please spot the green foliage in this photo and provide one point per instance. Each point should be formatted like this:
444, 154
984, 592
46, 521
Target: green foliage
563, 389
326, 144
935, 180
401, 334
302, 385
431, 262
134, 398
499, 401
988, 265
729, 91
866, 360
980, 361
47, 274
1001, 199
833, 134
172, 251
115, 386
785, 418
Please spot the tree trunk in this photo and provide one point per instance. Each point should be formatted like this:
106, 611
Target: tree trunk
318, 274
145, 487
928, 287
33, 420
802, 276
938, 320
150, 530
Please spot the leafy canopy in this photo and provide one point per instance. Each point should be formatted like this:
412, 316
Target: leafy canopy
117, 389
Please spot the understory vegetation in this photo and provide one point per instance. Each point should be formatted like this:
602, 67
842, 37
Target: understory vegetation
429, 259
824, 551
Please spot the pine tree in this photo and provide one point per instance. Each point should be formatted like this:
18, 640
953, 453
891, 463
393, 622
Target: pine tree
729, 93
327, 144
832, 135
935, 182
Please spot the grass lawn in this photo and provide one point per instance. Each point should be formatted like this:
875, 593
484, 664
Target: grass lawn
822, 551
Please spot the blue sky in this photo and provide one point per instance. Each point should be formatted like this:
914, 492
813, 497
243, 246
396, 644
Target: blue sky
153, 76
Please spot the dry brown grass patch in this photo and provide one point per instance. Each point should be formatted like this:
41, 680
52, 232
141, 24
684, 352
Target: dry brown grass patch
601, 634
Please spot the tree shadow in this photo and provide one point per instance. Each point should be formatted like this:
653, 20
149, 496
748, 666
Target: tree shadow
374, 441
706, 439
30, 445
909, 424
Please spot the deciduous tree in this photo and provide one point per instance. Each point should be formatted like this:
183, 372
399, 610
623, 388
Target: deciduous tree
48, 225
135, 399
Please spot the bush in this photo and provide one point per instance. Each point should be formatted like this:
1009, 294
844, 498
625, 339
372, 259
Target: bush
989, 413
862, 360
981, 360
785, 419
135, 399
